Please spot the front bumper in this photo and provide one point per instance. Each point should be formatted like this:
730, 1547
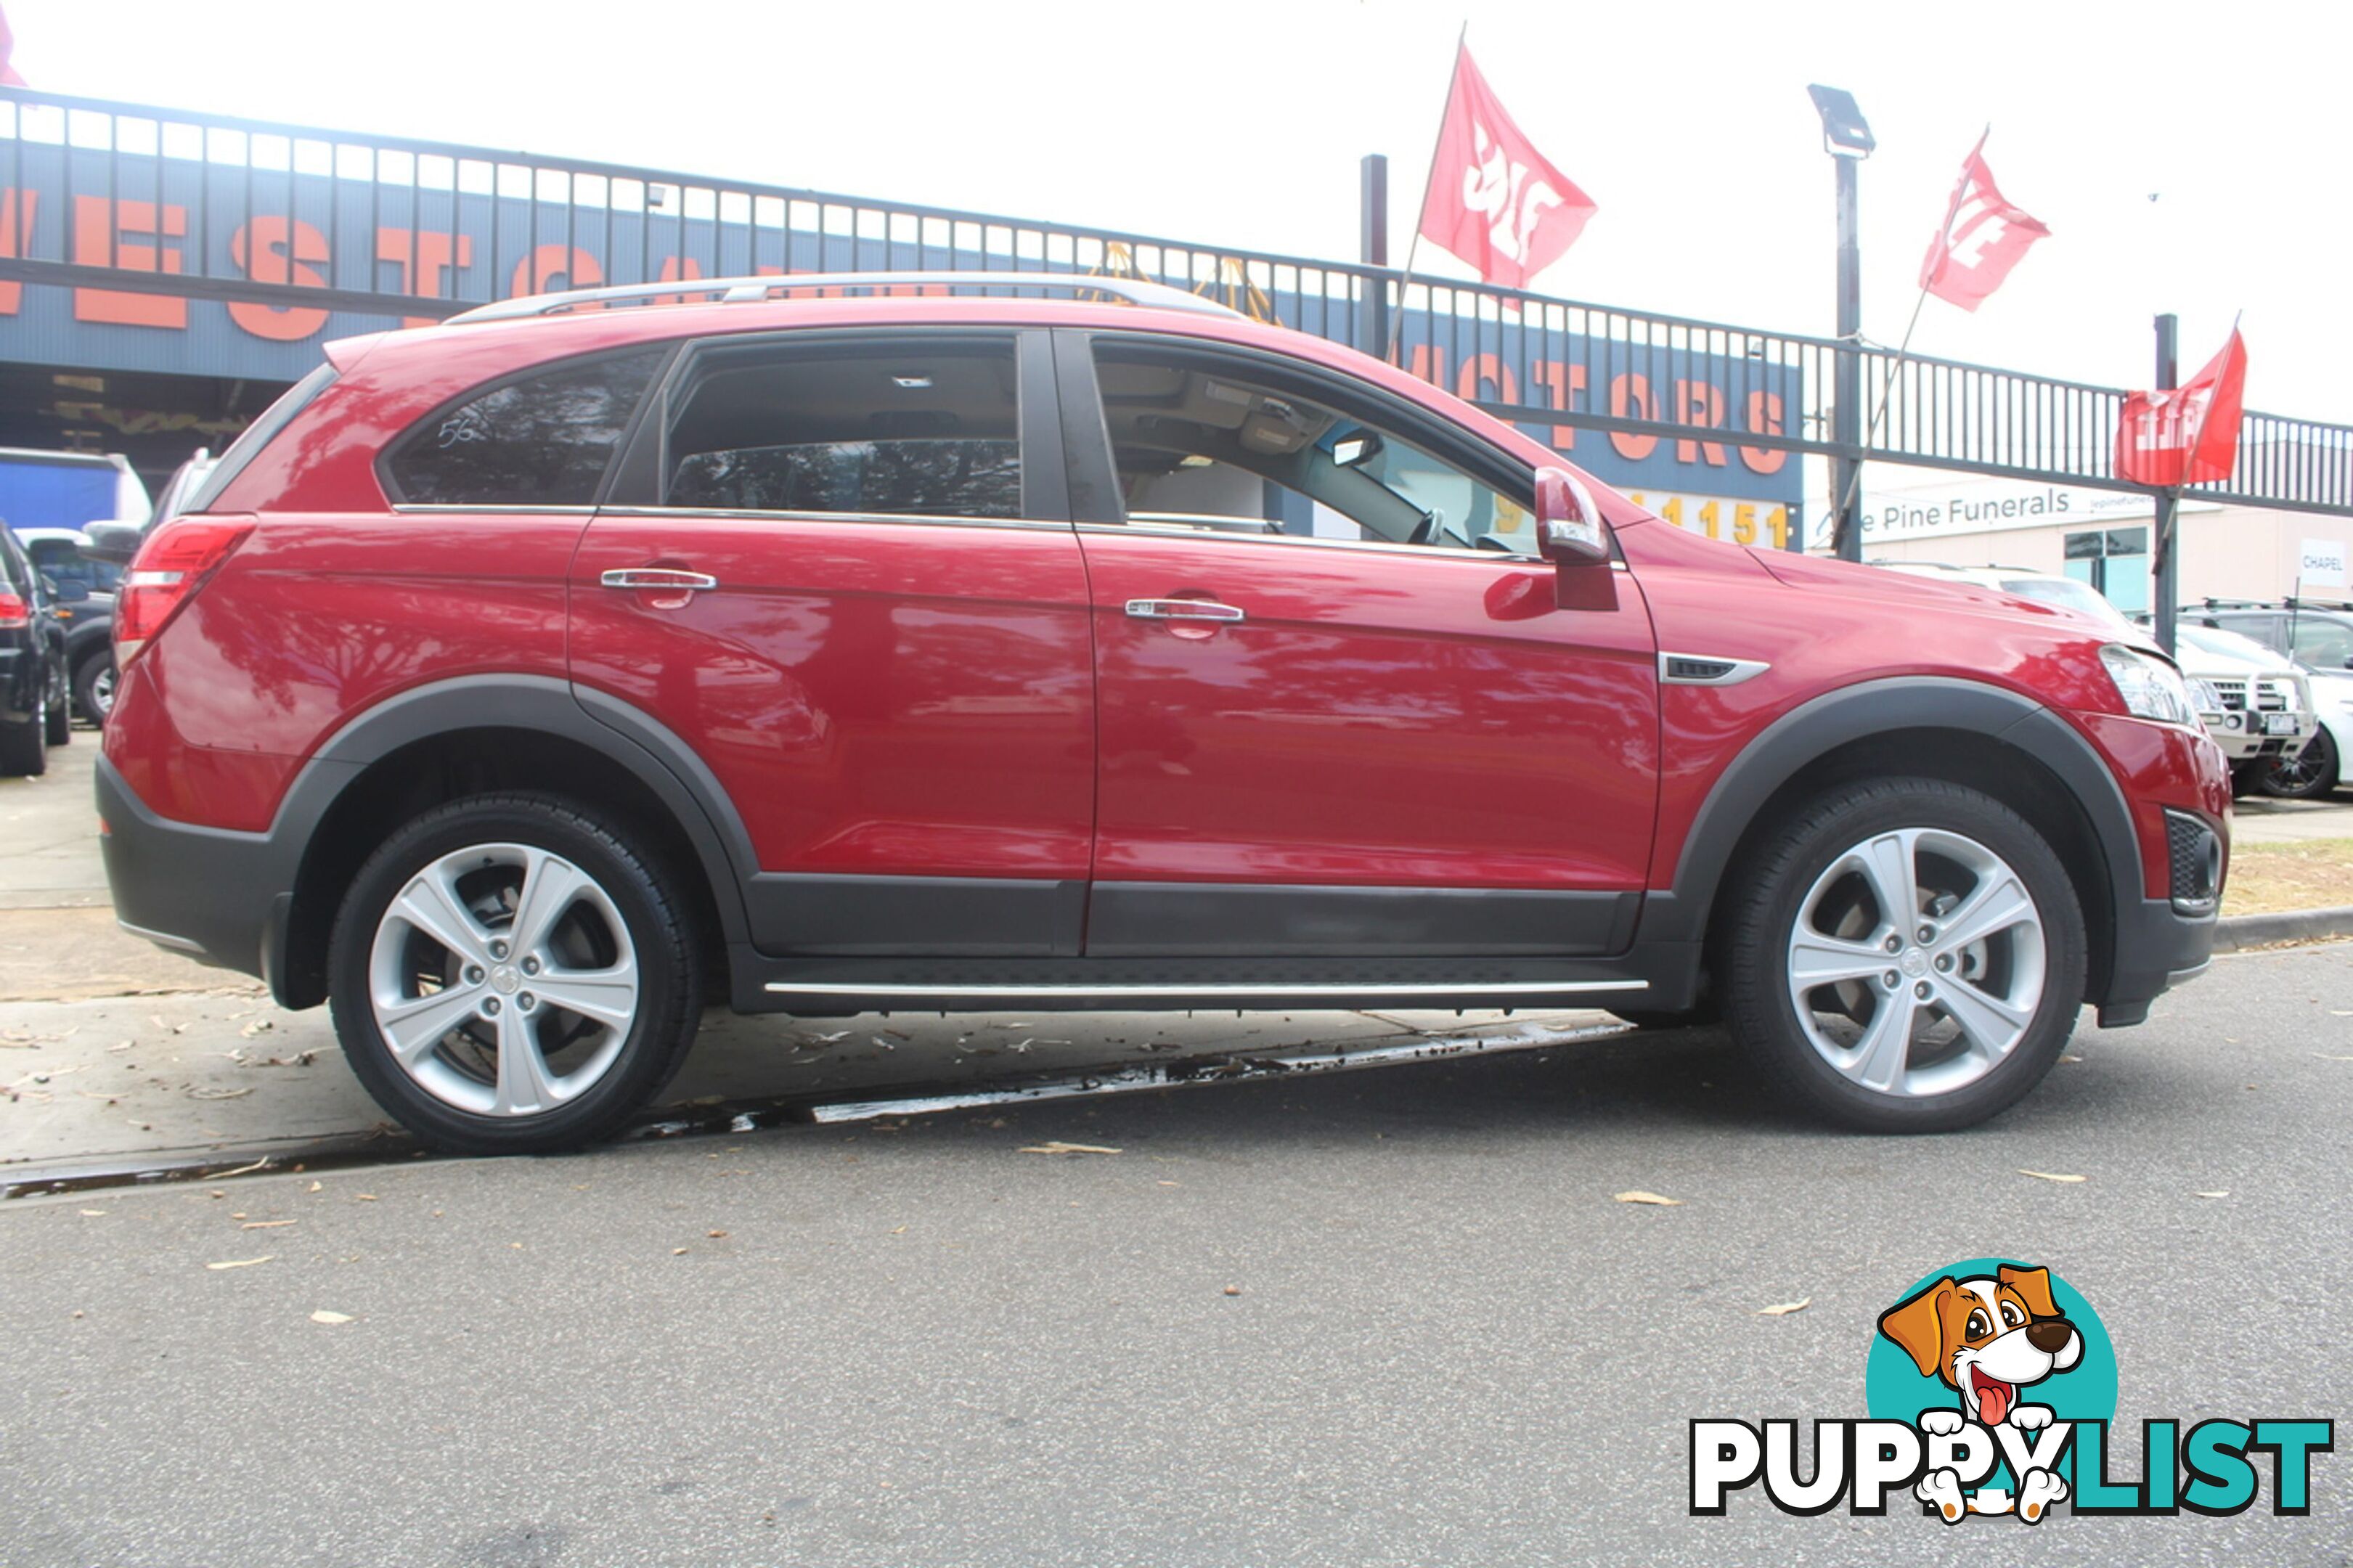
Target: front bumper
216, 896
2158, 948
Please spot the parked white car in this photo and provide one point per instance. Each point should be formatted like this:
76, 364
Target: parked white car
2266, 711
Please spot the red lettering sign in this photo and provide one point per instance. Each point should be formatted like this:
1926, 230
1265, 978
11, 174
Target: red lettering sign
98, 228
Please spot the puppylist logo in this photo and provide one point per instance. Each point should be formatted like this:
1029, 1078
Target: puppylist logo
1990, 1388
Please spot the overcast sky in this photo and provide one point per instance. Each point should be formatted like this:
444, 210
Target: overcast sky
2186, 157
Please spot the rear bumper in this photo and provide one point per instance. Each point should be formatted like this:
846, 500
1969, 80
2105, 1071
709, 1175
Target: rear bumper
213, 895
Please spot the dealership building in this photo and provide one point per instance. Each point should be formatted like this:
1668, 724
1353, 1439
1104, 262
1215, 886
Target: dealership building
2105, 538
165, 275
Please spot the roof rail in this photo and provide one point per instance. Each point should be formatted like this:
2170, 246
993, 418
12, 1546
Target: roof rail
744, 290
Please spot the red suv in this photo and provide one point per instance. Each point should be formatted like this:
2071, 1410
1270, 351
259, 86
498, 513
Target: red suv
517, 684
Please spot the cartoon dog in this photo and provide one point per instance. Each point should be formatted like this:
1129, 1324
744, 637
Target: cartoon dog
1986, 1338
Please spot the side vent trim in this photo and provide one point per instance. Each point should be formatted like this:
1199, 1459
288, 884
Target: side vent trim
1707, 669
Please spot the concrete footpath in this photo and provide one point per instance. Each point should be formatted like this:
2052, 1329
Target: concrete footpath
114, 1049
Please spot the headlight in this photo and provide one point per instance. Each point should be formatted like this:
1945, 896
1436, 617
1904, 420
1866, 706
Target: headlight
2209, 700
2151, 688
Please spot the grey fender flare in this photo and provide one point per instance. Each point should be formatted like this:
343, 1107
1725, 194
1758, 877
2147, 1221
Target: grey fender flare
651, 752
1820, 726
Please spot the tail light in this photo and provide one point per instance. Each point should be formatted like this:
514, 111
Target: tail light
165, 574
13, 615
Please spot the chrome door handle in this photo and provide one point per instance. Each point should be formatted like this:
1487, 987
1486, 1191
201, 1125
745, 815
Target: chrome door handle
1182, 610
658, 577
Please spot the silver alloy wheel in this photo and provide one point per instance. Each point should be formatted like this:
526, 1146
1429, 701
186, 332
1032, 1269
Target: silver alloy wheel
1916, 963
101, 692
503, 980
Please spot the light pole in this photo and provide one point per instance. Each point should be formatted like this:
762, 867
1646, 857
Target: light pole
1847, 138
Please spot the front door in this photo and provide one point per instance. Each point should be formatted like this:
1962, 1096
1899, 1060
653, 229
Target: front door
1340, 714
840, 567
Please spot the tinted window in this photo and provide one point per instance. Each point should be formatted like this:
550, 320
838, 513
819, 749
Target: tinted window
924, 429
540, 441
2324, 642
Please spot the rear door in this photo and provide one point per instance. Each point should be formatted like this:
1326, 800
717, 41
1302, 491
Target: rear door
840, 567
1341, 714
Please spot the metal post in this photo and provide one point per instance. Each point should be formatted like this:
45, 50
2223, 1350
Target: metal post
2168, 586
1373, 251
1846, 390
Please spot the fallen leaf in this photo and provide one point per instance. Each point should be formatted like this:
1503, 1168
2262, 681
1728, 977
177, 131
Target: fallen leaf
326, 1317
1233, 1290
899, 1230
316, 1186
714, 1235
363, 1198
243, 1262
258, 1026
267, 1223
2224, 1194
1059, 1147
195, 1093
2047, 1175
242, 1170
678, 1252
93, 1213
2323, 1056
1640, 1196
1786, 1308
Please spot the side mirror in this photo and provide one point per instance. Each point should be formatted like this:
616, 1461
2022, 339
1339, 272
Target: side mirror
1569, 522
1570, 535
72, 590
115, 542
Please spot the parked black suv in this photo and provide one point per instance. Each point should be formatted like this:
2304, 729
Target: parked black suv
33, 713
84, 602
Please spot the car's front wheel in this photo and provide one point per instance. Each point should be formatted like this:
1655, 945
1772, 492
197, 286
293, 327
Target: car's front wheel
94, 687
2310, 775
1906, 955
511, 975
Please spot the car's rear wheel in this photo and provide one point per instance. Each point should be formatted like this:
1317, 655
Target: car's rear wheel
511, 975
24, 745
1905, 955
2310, 775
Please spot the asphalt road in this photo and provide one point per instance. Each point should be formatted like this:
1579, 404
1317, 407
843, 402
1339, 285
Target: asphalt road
916, 1345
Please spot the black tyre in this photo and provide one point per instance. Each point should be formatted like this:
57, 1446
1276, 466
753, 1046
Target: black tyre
94, 687
2311, 774
511, 975
1905, 955
24, 745
57, 722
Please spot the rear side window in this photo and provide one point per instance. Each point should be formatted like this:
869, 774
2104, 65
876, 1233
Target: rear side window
907, 429
542, 439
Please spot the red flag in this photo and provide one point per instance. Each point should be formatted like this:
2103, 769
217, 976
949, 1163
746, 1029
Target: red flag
1494, 199
1982, 239
9, 77
2188, 436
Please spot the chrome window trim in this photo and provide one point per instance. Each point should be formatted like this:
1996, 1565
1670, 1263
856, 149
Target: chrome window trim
748, 514
497, 509
1373, 547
